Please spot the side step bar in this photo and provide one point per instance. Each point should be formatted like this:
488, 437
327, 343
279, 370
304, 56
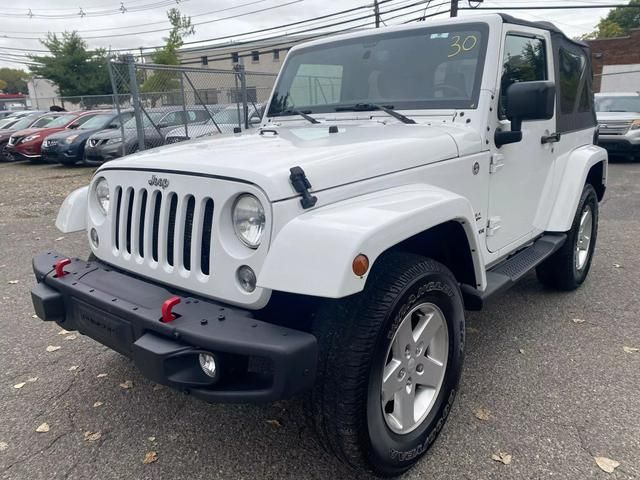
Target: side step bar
508, 272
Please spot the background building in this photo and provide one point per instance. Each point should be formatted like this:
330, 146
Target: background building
616, 63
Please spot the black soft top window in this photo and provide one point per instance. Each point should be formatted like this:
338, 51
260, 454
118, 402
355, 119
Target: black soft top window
574, 95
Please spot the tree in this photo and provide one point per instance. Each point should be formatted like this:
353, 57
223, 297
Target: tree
15, 80
162, 81
3, 85
74, 69
617, 23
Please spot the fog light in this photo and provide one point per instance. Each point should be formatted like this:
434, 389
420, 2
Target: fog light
246, 278
95, 240
208, 364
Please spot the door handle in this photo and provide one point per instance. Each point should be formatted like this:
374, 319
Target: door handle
551, 138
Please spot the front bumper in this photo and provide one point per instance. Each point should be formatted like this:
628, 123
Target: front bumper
258, 361
103, 153
23, 152
62, 153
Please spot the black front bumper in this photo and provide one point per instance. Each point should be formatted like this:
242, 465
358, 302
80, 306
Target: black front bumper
257, 361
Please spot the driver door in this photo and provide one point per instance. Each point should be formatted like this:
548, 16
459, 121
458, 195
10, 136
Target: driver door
521, 172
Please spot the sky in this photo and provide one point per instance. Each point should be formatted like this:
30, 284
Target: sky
144, 23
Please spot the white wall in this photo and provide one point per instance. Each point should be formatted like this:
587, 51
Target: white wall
614, 80
42, 93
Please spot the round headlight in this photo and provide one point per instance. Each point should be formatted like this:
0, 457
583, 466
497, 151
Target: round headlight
102, 194
248, 220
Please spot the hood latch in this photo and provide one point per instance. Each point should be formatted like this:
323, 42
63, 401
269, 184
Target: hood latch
301, 185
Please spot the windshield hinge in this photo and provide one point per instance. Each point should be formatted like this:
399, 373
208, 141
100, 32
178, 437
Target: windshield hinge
493, 225
497, 162
302, 185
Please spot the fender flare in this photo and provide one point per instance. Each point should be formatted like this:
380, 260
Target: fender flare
577, 166
72, 216
314, 252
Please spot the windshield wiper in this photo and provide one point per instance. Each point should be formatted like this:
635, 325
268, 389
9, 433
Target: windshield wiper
309, 118
388, 109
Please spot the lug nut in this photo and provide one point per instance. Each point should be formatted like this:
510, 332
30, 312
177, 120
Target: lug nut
420, 368
407, 351
401, 373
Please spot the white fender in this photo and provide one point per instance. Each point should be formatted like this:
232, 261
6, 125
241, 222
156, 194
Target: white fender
576, 168
314, 252
72, 216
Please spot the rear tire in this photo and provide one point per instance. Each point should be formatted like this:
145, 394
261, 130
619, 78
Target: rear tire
568, 268
351, 407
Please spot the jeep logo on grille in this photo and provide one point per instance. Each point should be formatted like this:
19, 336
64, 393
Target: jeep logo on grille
159, 182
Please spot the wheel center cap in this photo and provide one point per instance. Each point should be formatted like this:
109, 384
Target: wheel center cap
412, 364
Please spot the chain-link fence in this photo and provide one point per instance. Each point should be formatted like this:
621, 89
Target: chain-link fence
77, 103
171, 104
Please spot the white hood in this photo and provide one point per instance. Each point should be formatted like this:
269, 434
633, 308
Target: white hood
355, 153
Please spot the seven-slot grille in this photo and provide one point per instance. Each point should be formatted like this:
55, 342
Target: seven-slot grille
614, 127
164, 228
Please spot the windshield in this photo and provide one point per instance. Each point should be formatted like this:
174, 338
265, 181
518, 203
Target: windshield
438, 67
61, 121
155, 117
7, 122
99, 121
25, 122
618, 104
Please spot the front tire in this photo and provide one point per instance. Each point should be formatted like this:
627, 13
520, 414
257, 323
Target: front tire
389, 366
568, 268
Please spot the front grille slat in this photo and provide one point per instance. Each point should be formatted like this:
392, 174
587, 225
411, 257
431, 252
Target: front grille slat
129, 219
205, 245
188, 232
154, 218
171, 228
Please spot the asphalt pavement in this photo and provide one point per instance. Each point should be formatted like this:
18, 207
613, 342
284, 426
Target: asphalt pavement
548, 372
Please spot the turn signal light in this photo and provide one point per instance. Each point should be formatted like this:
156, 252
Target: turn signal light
360, 265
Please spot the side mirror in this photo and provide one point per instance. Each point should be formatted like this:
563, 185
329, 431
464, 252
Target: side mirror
526, 101
253, 121
73, 126
163, 125
113, 126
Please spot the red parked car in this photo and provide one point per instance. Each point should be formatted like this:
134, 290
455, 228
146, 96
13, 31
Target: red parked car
26, 144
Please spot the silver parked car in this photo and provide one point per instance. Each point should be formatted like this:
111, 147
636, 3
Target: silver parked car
227, 119
619, 120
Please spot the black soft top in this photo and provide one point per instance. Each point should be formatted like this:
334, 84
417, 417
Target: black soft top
542, 25
567, 119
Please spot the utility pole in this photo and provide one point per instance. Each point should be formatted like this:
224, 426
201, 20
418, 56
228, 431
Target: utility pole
454, 8
376, 11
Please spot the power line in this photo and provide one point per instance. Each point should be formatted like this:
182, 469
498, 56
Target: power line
280, 37
109, 29
552, 7
266, 48
168, 29
88, 13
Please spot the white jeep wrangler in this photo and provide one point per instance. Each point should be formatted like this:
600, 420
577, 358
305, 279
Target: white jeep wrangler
399, 177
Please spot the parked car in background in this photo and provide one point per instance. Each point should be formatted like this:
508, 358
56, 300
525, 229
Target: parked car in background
67, 147
226, 120
27, 144
109, 144
14, 117
619, 121
35, 120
